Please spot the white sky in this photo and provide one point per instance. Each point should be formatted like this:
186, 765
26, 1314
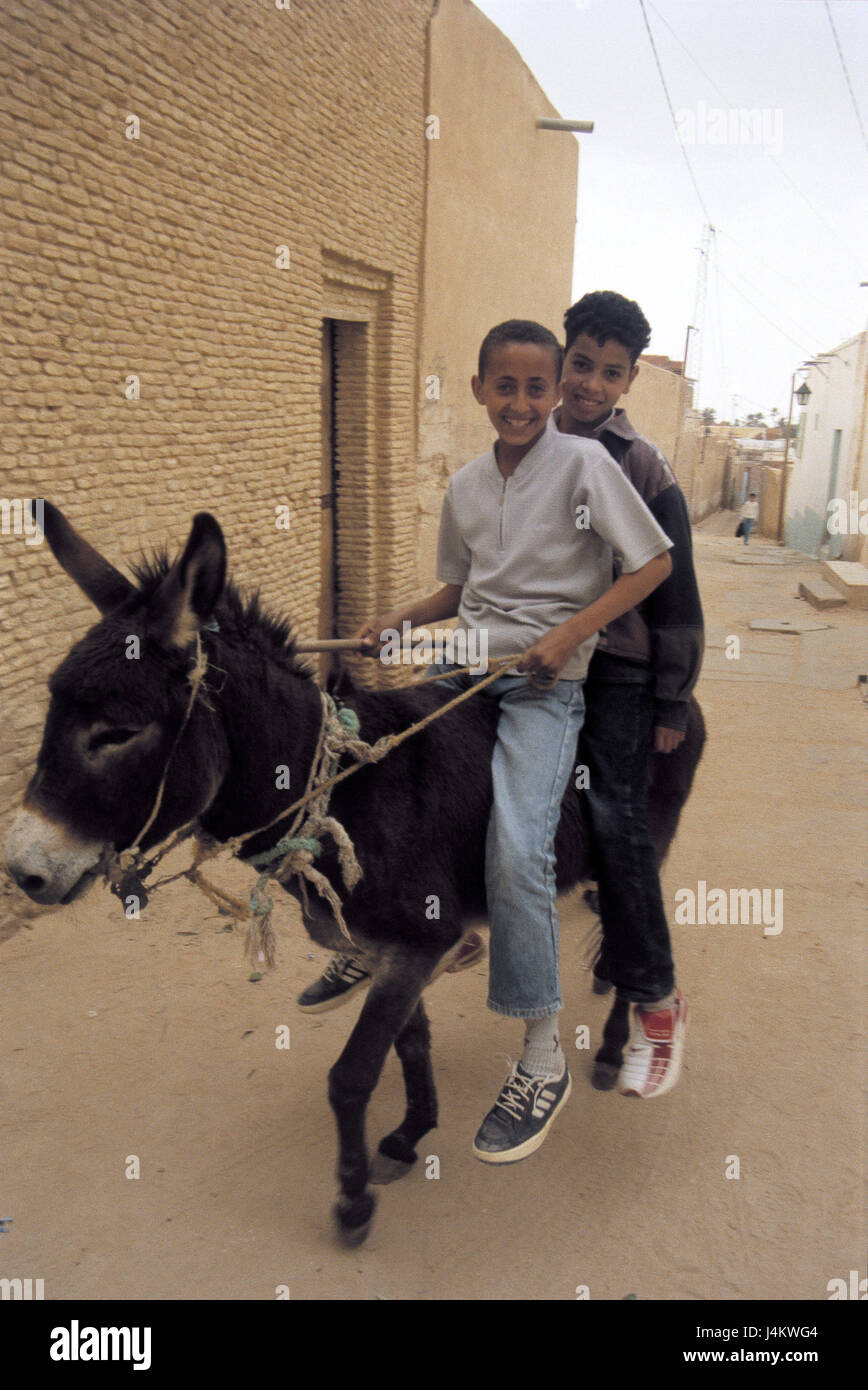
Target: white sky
791, 212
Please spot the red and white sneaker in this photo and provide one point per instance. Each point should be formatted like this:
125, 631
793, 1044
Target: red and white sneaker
652, 1058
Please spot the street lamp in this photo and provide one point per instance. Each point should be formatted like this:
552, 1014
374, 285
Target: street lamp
801, 395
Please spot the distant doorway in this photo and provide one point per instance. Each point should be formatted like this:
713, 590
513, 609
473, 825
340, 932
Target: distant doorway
343, 414
328, 543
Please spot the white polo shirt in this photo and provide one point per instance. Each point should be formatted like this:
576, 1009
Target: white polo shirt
515, 547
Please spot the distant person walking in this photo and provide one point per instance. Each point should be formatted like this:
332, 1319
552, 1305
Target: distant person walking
749, 514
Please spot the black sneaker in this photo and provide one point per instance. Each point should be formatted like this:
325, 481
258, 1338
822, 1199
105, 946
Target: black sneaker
341, 978
519, 1120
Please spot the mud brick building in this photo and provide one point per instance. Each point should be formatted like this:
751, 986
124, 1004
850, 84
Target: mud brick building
234, 247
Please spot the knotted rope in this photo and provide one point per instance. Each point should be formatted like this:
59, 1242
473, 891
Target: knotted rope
295, 852
121, 866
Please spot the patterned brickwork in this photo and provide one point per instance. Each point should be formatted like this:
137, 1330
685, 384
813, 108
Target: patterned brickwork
259, 127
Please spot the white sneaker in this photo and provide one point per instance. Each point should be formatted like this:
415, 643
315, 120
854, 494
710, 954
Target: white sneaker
652, 1058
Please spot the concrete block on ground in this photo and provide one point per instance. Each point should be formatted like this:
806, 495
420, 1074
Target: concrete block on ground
850, 579
820, 594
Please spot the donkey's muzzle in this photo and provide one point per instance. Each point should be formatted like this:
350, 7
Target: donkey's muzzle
47, 861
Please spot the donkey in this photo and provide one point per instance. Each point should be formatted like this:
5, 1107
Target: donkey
117, 727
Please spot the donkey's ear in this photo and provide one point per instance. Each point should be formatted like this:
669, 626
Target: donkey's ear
189, 593
101, 582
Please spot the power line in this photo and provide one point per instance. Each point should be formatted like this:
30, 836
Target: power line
847, 76
770, 322
683, 45
835, 231
757, 310
699, 304
720, 274
672, 113
799, 327
801, 285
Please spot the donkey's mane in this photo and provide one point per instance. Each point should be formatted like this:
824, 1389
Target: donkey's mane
239, 614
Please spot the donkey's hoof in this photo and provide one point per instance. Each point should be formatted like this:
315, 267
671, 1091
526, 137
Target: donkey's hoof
385, 1169
393, 1160
353, 1217
605, 1075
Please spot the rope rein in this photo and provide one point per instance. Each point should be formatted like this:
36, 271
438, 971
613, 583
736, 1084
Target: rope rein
295, 852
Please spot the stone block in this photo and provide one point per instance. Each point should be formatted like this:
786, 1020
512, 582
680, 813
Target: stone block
850, 579
820, 594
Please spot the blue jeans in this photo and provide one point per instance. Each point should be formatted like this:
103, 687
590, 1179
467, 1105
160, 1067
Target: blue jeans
748, 522
531, 764
616, 746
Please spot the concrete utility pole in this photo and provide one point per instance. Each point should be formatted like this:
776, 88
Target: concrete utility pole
783, 488
704, 249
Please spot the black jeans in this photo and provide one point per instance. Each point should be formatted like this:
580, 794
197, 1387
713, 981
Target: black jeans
616, 747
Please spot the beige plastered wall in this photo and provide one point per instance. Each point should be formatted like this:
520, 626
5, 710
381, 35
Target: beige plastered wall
499, 233
659, 407
656, 404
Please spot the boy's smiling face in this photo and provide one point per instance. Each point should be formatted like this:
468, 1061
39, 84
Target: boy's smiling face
593, 380
519, 390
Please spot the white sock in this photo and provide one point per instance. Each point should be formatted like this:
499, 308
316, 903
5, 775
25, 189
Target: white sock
542, 1054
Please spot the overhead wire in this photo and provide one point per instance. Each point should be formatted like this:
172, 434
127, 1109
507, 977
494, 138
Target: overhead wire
847, 75
681, 144
720, 274
799, 327
777, 163
776, 326
784, 173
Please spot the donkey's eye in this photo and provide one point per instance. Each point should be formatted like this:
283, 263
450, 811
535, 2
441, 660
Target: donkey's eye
110, 738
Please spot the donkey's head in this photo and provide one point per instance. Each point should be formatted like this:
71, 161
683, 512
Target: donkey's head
118, 705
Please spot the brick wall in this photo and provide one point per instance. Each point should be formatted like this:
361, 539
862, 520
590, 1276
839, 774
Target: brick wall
259, 127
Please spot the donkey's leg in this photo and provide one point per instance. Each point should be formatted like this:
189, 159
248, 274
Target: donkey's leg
397, 1152
607, 1063
387, 1009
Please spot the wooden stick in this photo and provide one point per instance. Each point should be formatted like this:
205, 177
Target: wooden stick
331, 644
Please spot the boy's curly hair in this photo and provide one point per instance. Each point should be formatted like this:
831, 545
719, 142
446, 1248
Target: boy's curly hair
603, 315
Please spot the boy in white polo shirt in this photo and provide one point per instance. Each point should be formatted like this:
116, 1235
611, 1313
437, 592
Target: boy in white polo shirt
749, 514
527, 533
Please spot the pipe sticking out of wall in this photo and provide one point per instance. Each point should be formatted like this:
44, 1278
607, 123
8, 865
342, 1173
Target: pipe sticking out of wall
330, 644
549, 123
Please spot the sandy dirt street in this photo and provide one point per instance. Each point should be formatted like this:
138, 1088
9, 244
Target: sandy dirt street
147, 1039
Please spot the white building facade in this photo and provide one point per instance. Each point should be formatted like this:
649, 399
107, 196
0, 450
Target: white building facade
827, 495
